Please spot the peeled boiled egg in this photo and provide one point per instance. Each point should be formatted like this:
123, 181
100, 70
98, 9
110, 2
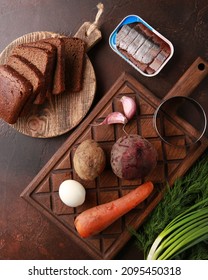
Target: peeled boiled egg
72, 193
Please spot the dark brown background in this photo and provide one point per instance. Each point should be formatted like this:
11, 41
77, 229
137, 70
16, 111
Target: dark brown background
24, 232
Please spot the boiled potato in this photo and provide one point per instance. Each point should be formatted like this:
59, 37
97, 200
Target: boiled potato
89, 160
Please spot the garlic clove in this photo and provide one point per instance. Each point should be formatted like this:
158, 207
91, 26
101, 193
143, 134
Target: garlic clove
129, 106
114, 118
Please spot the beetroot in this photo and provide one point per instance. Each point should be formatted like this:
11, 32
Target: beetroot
133, 157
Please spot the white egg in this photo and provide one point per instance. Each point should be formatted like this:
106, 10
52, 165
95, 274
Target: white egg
72, 193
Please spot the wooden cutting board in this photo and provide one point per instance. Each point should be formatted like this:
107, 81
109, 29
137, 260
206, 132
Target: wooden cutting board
173, 162
59, 113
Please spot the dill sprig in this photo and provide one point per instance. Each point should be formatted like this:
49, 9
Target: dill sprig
187, 191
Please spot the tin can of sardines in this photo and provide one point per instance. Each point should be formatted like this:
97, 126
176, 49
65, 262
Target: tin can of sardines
141, 45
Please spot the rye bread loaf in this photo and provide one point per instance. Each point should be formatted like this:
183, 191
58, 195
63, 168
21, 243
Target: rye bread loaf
43, 59
15, 90
74, 59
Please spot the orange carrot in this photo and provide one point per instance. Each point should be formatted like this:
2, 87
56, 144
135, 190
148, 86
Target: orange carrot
96, 219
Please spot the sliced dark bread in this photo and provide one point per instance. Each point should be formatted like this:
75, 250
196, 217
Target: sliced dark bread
50, 47
41, 44
59, 72
43, 59
59, 67
29, 71
74, 59
14, 93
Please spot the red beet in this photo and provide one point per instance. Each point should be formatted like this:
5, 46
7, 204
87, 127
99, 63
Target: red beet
133, 157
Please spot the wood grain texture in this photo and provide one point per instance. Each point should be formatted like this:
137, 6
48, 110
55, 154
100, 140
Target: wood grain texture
172, 162
190, 79
59, 113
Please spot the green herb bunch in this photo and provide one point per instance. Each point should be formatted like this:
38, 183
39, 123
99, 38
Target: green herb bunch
186, 192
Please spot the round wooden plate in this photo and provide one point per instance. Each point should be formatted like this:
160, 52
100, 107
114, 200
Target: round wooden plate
60, 113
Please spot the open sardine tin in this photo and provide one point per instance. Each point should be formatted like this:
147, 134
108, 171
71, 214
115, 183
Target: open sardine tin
141, 46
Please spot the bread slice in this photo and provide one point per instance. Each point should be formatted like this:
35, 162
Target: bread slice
58, 85
14, 93
29, 71
46, 46
74, 59
59, 72
41, 44
43, 59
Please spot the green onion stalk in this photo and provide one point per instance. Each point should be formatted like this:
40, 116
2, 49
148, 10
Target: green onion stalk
186, 230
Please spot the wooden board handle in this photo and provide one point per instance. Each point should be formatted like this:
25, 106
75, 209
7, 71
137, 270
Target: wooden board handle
90, 39
190, 79
89, 31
